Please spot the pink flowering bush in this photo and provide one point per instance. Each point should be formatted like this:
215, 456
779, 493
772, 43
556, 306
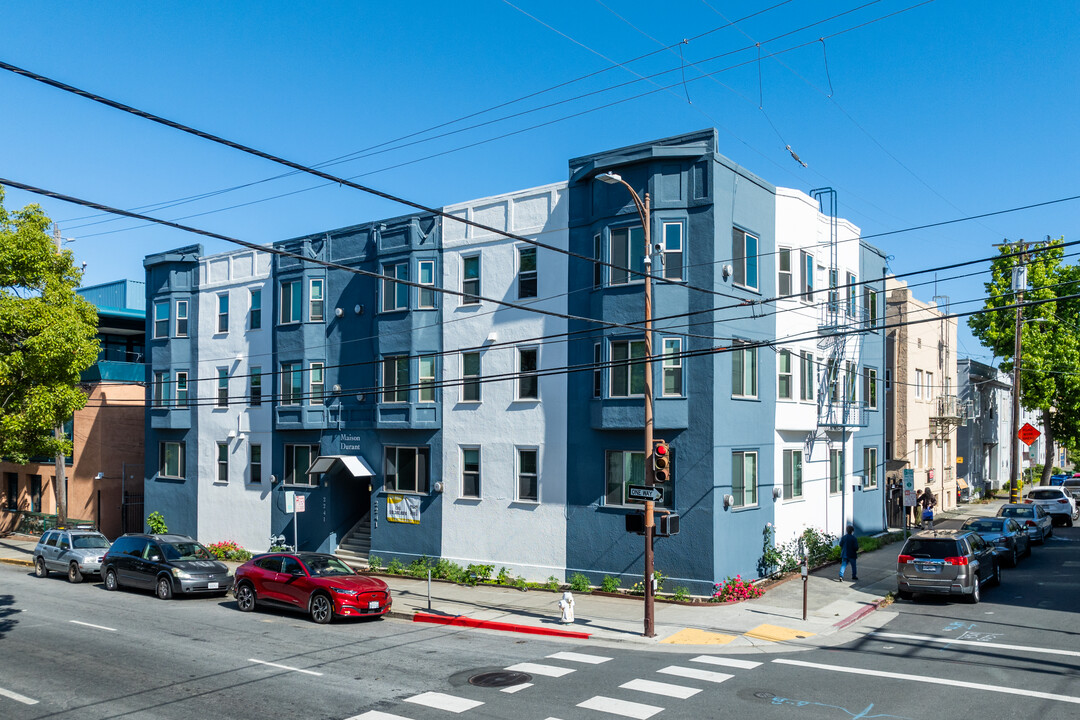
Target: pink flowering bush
228, 550
735, 588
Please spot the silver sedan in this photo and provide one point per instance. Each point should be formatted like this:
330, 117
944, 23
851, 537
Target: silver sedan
1038, 524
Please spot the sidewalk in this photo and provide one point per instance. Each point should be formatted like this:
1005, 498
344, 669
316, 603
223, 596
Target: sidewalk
836, 612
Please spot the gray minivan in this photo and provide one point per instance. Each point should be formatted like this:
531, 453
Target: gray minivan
166, 563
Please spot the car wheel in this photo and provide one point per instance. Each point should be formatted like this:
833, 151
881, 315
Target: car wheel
905, 595
164, 588
322, 610
1069, 521
74, 575
39, 567
996, 577
1050, 531
245, 598
1015, 558
975, 595
110, 580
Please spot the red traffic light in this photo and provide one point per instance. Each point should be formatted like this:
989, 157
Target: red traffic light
661, 461
661, 448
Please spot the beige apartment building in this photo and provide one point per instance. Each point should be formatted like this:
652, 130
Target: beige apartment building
920, 393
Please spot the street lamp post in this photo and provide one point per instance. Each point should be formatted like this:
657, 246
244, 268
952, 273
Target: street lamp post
650, 527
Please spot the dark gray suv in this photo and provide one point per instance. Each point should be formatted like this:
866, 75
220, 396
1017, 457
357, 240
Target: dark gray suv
167, 563
946, 562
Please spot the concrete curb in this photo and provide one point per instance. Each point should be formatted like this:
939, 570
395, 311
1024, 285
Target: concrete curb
14, 561
860, 614
465, 621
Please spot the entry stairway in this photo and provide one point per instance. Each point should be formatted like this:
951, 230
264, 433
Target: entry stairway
356, 544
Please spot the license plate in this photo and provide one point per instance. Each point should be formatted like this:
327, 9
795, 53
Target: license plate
373, 605
212, 586
929, 568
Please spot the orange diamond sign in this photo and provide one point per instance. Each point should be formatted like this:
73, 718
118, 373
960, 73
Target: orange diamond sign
1028, 434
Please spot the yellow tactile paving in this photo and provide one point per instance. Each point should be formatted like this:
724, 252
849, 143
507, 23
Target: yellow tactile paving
689, 636
776, 633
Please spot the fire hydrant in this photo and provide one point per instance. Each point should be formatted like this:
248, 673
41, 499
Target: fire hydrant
566, 604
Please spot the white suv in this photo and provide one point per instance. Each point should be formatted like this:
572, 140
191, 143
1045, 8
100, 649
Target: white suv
1058, 502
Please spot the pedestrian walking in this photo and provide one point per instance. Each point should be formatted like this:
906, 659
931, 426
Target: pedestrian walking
928, 502
849, 548
913, 512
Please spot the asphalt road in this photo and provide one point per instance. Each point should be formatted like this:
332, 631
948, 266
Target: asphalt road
1016, 654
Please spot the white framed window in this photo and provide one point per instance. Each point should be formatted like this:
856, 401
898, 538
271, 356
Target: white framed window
527, 279
851, 376
316, 384
255, 314
929, 389
528, 474
316, 301
171, 459
470, 377
181, 318
298, 458
426, 278
626, 252
223, 462
161, 319
528, 382
852, 296
832, 377
160, 396
291, 302
396, 379
785, 376
406, 469
181, 389
918, 454
744, 372
292, 386
870, 303
836, 472
783, 278
223, 313
470, 280
627, 371
623, 468
793, 474
870, 468
255, 464
426, 378
470, 472
672, 367
673, 250
255, 381
870, 388
918, 383
598, 371
744, 478
834, 293
395, 294
807, 374
744, 251
222, 387
807, 276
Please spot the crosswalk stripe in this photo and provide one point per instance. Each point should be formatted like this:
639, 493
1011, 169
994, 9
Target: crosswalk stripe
725, 661
638, 711
579, 657
516, 688
658, 688
376, 715
695, 673
17, 697
539, 669
442, 701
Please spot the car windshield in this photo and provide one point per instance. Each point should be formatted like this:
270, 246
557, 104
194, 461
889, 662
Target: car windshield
185, 551
930, 548
1045, 494
89, 541
327, 566
1020, 512
984, 525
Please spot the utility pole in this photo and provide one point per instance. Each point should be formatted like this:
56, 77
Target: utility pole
1019, 283
60, 464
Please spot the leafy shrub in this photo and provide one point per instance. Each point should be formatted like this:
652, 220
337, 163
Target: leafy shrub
395, 567
504, 577
419, 567
552, 583
580, 583
610, 584
786, 557
156, 522
446, 570
520, 584
375, 562
735, 588
479, 573
682, 594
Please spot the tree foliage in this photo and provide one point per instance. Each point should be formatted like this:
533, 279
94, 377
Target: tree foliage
47, 337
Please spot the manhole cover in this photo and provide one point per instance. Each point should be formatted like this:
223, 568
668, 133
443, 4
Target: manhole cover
502, 678
762, 695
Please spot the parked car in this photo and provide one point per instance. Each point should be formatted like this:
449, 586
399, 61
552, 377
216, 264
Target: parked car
77, 551
1072, 485
1058, 503
1034, 519
169, 564
946, 562
318, 584
1004, 533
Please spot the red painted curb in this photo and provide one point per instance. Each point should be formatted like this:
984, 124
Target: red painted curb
464, 621
859, 615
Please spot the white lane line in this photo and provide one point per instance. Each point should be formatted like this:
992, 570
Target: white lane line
17, 697
285, 667
376, 715
725, 661
579, 657
695, 674
951, 682
516, 688
976, 643
658, 688
99, 627
442, 701
639, 711
538, 669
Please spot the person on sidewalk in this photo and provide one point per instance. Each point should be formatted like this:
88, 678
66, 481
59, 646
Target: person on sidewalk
928, 504
849, 548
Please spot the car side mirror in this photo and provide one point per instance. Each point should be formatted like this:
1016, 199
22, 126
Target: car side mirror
155, 558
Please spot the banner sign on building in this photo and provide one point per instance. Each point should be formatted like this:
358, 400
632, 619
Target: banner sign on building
403, 509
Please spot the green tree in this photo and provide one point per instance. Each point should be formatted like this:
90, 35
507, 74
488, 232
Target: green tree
47, 338
1050, 339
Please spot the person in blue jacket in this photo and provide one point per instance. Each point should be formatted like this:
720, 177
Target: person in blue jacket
849, 548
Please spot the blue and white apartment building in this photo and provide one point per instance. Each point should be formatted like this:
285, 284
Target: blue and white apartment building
435, 388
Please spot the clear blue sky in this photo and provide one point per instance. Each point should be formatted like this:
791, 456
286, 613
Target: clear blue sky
953, 108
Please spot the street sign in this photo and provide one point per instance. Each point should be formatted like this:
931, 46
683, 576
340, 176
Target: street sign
643, 493
301, 500
909, 488
1028, 434
290, 502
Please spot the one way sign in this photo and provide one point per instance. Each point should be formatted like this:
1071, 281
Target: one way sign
643, 493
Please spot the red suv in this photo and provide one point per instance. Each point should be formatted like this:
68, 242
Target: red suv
315, 583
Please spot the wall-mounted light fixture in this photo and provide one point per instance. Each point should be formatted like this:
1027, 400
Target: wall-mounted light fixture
777, 493
359, 309
729, 500
338, 312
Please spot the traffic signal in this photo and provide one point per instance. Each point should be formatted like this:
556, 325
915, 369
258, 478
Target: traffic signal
667, 524
661, 461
